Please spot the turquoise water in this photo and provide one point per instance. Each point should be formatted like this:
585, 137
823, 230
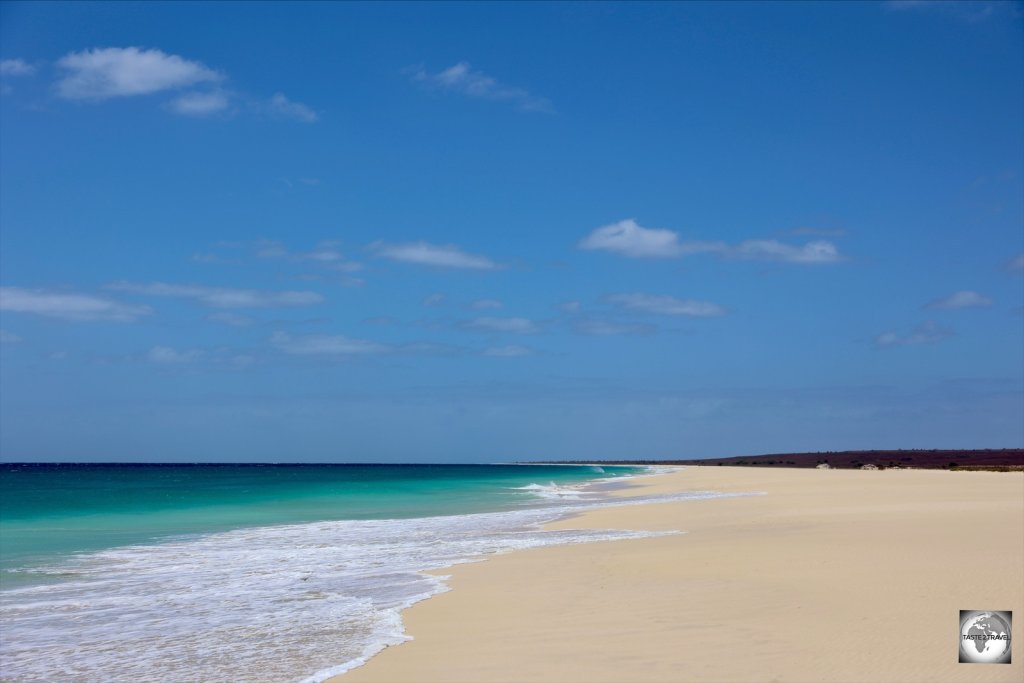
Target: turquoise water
48, 511
273, 573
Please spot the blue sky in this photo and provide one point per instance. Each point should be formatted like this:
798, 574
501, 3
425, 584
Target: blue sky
480, 232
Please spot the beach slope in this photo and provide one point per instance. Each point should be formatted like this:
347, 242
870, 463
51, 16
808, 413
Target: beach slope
833, 575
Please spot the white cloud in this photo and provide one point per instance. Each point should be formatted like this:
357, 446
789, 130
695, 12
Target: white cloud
606, 328
102, 73
508, 325
200, 103
667, 305
8, 337
819, 251
630, 239
961, 299
16, 67
510, 351
483, 304
81, 307
437, 255
169, 356
927, 332
460, 78
433, 300
325, 344
222, 297
282, 106
1016, 264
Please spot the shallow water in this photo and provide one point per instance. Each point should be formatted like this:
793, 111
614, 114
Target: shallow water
280, 602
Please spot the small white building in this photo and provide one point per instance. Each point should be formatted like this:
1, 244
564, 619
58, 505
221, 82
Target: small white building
869, 466
824, 466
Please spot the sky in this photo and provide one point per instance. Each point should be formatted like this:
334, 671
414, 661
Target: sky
479, 232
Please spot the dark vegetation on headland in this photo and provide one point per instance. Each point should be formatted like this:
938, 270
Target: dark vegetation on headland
1002, 459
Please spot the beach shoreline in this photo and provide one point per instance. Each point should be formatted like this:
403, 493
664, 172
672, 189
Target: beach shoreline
834, 575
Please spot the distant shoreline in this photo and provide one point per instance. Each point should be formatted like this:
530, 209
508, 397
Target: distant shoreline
990, 459
997, 459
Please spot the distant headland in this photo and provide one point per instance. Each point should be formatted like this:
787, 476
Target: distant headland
1000, 459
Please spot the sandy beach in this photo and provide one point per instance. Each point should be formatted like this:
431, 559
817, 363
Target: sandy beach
833, 575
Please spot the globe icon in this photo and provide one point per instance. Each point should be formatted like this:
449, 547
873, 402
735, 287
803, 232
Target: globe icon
985, 638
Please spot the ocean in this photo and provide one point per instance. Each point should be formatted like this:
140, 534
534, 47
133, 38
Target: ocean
253, 572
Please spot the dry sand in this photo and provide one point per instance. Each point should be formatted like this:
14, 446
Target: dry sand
832, 576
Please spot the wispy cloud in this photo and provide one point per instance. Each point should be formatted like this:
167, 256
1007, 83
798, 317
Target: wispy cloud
570, 306
961, 299
166, 355
325, 345
819, 251
222, 297
81, 307
484, 304
599, 327
232, 319
505, 325
462, 79
628, 238
510, 351
208, 257
433, 300
437, 255
8, 337
11, 69
201, 103
817, 232
1016, 264
16, 67
927, 332
103, 73
903, 5
222, 357
326, 253
965, 10
667, 305
271, 249
279, 105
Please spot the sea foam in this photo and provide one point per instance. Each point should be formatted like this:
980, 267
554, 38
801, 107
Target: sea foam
280, 603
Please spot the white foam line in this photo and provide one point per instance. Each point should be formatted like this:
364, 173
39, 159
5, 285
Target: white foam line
325, 674
301, 594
